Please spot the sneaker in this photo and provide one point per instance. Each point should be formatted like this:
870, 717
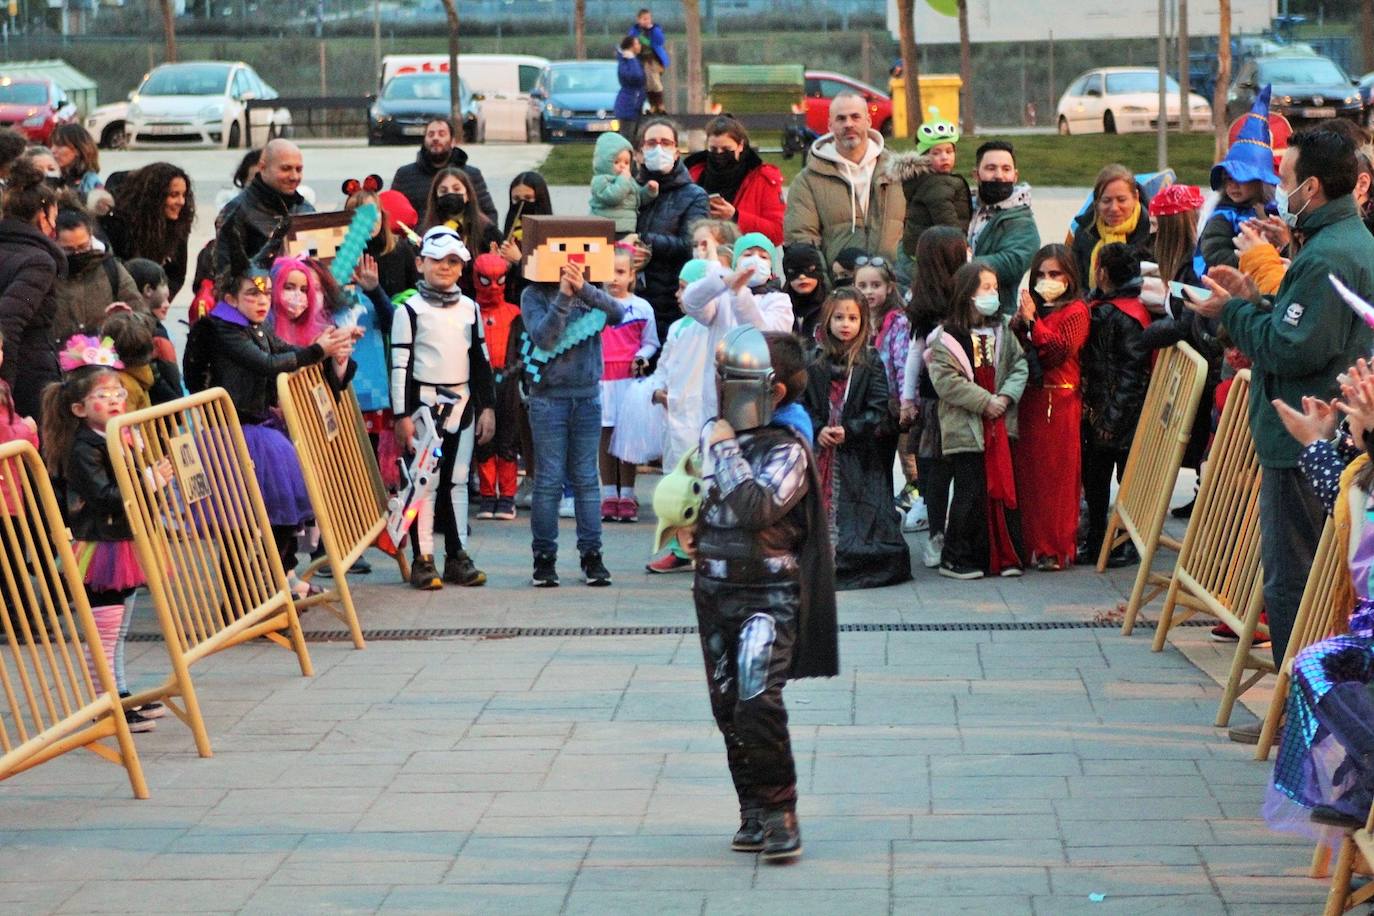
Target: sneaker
360, 567
153, 710
460, 570
956, 571
907, 497
1012, 572
505, 508
916, 518
1222, 633
566, 508
545, 571
610, 509
594, 572
629, 509
524, 494
669, 562
138, 722
423, 575
488, 507
1048, 564
930, 554
1248, 733
1184, 511
1124, 555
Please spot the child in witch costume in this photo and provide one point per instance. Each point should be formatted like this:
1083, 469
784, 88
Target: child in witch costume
765, 584
436, 342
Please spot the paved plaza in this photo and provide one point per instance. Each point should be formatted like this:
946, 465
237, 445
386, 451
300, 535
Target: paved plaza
986, 749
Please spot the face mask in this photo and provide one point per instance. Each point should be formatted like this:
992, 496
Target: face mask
987, 304
659, 159
450, 205
994, 192
76, 263
1281, 201
1050, 290
762, 270
293, 301
722, 161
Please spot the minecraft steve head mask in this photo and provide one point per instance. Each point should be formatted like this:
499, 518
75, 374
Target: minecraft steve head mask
552, 241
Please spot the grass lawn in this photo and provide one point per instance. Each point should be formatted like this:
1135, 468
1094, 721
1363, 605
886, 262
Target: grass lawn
1043, 159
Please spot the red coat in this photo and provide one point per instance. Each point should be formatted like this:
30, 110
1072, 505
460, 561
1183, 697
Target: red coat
758, 204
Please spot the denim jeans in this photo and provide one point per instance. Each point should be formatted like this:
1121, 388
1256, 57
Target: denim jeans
567, 434
1291, 519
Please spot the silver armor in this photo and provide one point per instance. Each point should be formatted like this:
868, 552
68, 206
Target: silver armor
744, 372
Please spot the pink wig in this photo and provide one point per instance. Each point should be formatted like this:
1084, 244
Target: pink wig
303, 330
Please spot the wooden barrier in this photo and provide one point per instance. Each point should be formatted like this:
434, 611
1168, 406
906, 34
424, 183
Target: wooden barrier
1356, 854
1320, 614
341, 474
1218, 570
1147, 481
51, 705
205, 542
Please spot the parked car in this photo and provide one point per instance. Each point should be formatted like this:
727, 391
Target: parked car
202, 103
1306, 88
409, 100
573, 100
108, 125
822, 86
34, 107
1123, 100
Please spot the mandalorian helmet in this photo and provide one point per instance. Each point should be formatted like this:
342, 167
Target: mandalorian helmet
744, 374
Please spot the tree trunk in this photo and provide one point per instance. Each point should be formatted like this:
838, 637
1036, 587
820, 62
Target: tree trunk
1367, 33
455, 99
965, 74
580, 29
1223, 78
691, 18
169, 31
906, 41
1184, 122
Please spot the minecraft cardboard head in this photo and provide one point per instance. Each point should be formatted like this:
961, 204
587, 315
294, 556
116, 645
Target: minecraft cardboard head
552, 241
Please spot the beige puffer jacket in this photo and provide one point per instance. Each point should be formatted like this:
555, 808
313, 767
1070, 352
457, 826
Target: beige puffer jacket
824, 210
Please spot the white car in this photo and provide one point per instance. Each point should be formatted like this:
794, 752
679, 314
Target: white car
1124, 100
203, 103
107, 123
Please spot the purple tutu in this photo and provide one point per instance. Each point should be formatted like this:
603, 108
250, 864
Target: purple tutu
279, 474
109, 566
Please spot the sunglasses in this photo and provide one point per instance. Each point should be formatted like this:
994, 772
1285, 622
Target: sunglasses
866, 261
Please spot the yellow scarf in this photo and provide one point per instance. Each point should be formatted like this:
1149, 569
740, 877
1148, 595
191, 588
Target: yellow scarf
1344, 595
1106, 235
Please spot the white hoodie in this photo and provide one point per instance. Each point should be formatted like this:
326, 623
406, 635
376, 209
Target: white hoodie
859, 176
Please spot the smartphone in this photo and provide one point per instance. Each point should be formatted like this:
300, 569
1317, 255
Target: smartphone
1188, 291
714, 197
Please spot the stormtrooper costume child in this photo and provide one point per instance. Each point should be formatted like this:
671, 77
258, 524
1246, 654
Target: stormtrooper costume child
437, 342
765, 583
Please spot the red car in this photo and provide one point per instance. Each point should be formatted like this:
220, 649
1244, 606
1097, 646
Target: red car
822, 86
34, 107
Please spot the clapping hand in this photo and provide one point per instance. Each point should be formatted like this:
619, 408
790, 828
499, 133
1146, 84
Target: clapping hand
1315, 422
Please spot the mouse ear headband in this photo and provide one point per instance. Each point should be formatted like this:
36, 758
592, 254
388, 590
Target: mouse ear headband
371, 183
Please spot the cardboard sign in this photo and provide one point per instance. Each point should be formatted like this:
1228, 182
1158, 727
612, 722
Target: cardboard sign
324, 405
195, 483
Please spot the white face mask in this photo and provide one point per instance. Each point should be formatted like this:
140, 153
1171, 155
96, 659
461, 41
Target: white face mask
659, 159
1050, 290
762, 270
987, 304
293, 302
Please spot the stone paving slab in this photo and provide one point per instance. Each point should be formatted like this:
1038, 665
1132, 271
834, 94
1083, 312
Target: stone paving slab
945, 771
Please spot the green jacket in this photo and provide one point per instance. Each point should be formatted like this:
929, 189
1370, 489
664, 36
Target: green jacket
1310, 335
962, 400
1007, 243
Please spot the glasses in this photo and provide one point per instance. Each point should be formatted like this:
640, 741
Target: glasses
109, 395
866, 261
670, 144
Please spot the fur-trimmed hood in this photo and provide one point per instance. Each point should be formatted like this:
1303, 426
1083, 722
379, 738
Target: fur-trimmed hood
904, 167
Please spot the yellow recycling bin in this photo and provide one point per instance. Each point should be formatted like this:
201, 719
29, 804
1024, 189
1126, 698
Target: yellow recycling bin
938, 89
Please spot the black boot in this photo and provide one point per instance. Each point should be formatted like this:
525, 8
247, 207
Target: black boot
781, 836
1124, 555
749, 836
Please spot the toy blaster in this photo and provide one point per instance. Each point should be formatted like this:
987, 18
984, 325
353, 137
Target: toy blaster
420, 476
1352, 299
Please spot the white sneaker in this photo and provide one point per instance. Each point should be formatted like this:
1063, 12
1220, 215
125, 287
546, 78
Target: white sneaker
930, 554
916, 518
565, 508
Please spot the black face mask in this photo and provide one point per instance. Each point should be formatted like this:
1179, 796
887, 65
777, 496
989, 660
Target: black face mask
450, 205
994, 192
77, 263
721, 160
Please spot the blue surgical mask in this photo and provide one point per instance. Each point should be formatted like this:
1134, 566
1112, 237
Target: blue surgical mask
659, 159
761, 268
1281, 201
987, 304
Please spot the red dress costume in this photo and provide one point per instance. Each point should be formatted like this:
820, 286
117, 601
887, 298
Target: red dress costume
1047, 455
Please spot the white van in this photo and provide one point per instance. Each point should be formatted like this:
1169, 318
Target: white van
495, 76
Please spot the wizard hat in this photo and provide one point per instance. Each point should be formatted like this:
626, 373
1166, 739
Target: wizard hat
1251, 156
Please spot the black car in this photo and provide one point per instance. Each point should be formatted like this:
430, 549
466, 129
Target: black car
409, 100
1307, 88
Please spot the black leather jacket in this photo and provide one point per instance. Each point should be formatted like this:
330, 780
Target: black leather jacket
255, 213
753, 520
244, 359
94, 508
1116, 369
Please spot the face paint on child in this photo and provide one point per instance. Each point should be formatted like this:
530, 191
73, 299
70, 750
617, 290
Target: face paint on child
254, 299
846, 321
104, 402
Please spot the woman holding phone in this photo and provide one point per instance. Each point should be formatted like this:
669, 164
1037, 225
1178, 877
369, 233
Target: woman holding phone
739, 185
